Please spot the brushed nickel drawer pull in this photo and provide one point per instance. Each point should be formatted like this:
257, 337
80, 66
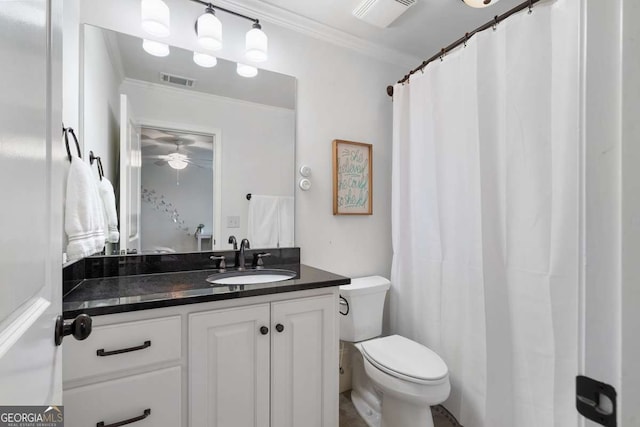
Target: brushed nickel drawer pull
103, 353
147, 412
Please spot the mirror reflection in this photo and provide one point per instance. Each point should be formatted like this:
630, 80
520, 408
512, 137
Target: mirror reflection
185, 144
176, 192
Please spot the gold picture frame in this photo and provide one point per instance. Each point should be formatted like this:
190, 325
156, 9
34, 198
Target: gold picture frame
352, 178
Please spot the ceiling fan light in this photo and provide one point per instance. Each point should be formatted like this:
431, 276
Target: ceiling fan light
177, 161
209, 30
155, 48
245, 70
204, 60
155, 17
480, 3
256, 44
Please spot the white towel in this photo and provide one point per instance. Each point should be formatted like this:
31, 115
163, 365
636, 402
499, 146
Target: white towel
262, 222
108, 198
285, 222
84, 219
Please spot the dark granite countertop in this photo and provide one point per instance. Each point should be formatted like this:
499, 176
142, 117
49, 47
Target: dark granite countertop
119, 294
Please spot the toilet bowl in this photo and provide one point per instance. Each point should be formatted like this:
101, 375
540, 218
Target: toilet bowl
395, 380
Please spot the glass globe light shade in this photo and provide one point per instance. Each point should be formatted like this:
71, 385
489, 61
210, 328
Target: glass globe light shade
155, 48
256, 44
209, 30
204, 60
177, 161
155, 18
245, 70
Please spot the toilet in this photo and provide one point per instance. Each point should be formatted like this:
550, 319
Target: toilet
395, 380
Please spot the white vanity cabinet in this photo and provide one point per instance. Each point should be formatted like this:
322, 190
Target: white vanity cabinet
114, 389
265, 365
260, 361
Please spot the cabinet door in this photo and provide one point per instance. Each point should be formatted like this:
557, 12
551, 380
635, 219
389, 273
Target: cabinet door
304, 363
229, 368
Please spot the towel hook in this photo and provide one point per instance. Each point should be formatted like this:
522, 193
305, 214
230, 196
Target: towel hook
65, 132
100, 168
248, 196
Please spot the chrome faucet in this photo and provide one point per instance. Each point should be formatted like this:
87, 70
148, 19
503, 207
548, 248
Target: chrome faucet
244, 244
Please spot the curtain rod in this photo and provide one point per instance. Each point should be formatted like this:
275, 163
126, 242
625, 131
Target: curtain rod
463, 40
231, 12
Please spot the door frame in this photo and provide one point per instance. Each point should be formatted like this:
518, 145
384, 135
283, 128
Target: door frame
216, 133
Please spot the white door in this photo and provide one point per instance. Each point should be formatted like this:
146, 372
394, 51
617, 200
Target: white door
304, 363
32, 158
229, 367
130, 164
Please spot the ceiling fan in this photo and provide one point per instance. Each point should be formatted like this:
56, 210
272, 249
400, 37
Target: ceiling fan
178, 160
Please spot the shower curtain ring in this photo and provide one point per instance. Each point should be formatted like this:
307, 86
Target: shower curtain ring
495, 22
530, 7
443, 52
466, 39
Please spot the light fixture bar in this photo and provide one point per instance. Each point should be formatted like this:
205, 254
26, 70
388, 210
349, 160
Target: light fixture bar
231, 12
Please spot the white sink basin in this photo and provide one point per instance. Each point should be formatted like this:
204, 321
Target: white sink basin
251, 277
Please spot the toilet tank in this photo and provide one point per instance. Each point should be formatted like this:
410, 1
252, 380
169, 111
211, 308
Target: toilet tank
361, 308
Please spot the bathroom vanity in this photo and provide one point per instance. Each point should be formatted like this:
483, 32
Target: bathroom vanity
183, 352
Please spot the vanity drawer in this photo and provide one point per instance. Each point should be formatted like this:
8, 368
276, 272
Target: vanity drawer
146, 400
122, 346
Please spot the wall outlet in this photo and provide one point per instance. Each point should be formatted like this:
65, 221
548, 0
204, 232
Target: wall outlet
233, 222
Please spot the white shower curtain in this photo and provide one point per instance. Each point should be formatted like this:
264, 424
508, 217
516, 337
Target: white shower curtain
486, 218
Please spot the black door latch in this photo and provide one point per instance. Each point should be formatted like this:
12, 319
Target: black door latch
596, 401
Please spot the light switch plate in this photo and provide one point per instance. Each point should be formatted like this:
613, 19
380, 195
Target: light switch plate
233, 222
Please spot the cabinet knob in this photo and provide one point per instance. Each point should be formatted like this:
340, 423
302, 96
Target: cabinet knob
264, 330
279, 327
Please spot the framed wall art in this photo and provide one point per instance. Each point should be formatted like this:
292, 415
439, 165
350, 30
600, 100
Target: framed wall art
352, 178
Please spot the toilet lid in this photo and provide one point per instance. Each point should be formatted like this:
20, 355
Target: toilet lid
399, 355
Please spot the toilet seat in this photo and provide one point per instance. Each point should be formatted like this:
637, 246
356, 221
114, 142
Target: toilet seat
405, 359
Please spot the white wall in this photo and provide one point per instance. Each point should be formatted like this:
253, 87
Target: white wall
256, 141
71, 64
101, 105
341, 95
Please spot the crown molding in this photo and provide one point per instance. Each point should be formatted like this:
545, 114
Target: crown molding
300, 24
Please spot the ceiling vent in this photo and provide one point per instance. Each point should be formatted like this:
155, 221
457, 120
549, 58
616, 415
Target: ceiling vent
381, 13
177, 80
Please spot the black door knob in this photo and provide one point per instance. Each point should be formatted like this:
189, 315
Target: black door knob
80, 328
264, 330
279, 327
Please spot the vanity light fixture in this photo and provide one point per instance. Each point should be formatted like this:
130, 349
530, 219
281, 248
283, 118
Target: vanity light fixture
177, 161
245, 70
155, 48
204, 59
209, 30
480, 3
209, 33
155, 17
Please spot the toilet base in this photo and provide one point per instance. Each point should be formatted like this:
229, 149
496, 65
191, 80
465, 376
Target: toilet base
366, 411
399, 413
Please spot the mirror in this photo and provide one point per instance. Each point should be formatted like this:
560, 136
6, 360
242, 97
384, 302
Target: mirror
184, 145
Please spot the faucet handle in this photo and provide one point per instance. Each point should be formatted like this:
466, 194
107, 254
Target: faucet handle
257, 259
222, 265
